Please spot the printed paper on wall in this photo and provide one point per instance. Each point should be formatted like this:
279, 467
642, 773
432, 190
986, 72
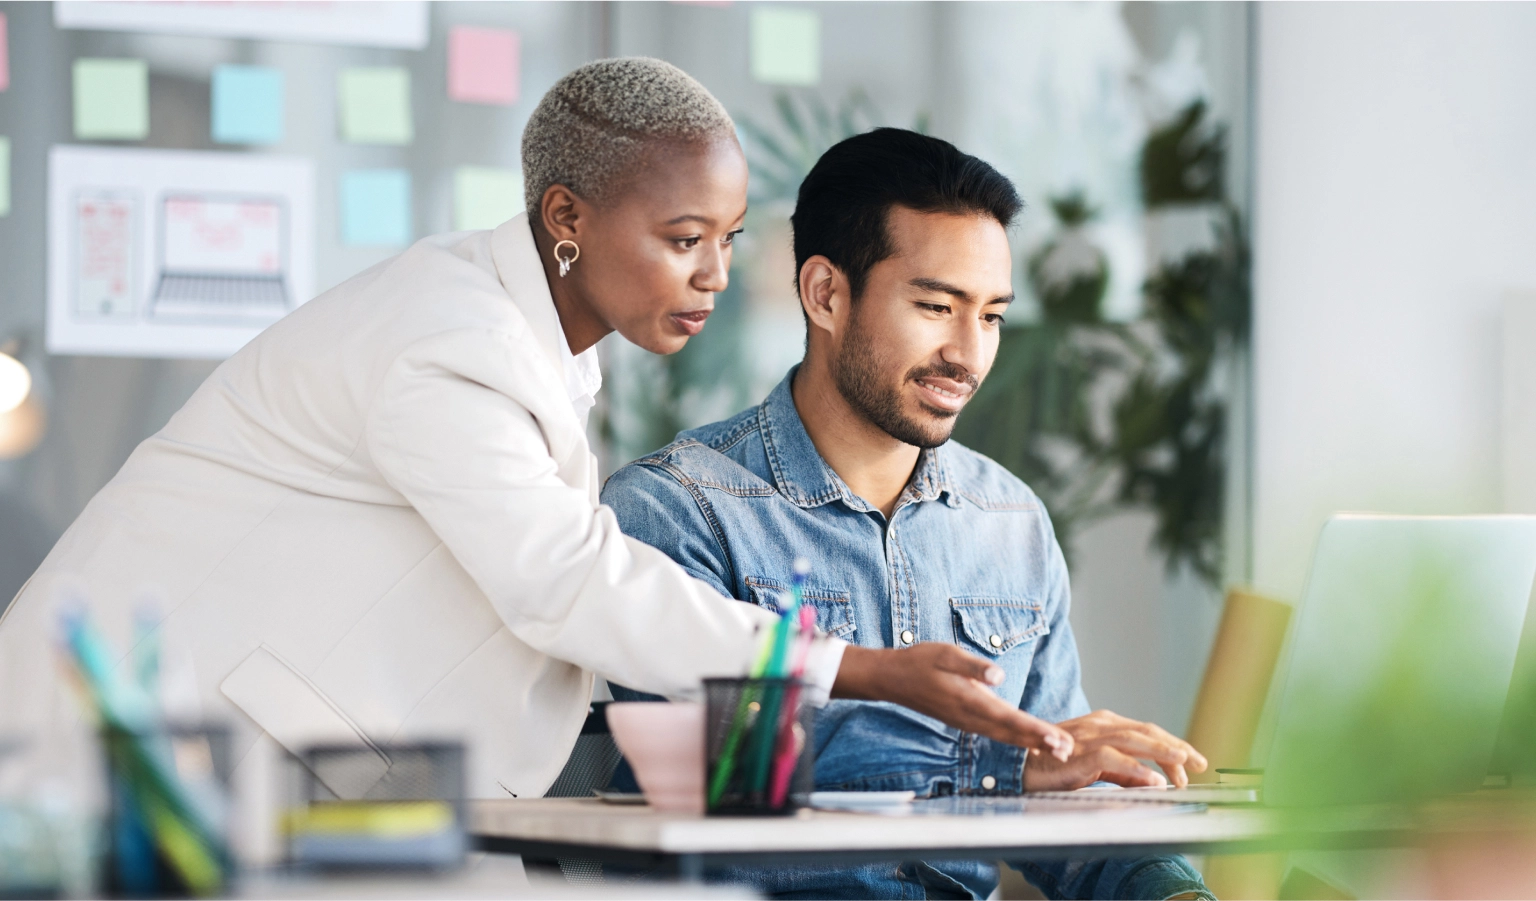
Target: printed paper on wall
173, 253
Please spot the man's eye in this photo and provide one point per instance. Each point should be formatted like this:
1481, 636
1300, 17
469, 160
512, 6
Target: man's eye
994, 318
935, 307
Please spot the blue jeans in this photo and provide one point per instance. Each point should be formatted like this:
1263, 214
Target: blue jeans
875, 746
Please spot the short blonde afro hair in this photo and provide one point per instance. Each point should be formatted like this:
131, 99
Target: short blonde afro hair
596, 122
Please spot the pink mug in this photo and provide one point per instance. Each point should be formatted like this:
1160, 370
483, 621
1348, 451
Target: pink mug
665, 745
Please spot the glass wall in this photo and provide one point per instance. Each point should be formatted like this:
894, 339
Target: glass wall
1120, 390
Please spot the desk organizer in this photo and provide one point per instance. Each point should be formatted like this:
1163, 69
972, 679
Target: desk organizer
394, 807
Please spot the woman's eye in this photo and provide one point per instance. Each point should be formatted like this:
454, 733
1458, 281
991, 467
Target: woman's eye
730, 237
689, 242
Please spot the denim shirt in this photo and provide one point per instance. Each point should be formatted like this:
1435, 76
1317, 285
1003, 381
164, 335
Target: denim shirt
968, 557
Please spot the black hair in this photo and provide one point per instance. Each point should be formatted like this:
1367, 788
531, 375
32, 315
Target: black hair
843, 204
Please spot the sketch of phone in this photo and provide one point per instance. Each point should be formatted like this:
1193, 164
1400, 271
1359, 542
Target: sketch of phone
106, 252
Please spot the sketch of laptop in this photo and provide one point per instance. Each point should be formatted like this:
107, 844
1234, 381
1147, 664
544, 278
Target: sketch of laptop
222, 257
1370, 574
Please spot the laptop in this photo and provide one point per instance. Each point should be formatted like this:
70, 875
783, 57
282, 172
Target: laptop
1402, 615
222, 258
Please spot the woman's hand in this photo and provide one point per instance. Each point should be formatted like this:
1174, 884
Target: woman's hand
1111, 747
948, 684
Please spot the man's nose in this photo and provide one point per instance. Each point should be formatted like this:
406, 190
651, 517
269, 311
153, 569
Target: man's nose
968, 347
714, 274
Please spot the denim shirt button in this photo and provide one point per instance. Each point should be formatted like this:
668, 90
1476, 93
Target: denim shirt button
989, 782
996, 641
907, 636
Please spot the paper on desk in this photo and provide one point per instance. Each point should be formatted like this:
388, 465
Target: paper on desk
786, 46
482, 65
247, 105
376, 207
375, 105
111, 99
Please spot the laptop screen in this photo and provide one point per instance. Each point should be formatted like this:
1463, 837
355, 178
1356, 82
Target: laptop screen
238, 236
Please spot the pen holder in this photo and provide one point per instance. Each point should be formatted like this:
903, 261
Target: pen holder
168, 811
758, 749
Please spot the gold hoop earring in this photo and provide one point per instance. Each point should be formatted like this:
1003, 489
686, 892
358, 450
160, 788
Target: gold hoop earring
565, 262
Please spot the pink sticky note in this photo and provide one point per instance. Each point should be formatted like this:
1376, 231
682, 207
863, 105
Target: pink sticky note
5, 56
482, 65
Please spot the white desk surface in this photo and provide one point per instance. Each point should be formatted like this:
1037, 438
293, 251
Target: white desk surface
579, 821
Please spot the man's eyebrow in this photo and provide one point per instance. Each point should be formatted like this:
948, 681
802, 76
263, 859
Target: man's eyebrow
943, 287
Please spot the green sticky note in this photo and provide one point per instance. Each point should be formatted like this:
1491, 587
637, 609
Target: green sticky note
5, 176
111, 99
786, 46
375, 105
485, 197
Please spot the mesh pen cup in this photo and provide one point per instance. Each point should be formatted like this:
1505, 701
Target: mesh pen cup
758, 749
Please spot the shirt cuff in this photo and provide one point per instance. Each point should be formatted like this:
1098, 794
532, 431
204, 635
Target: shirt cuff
822, 661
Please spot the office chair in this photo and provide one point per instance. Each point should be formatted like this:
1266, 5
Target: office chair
589, 767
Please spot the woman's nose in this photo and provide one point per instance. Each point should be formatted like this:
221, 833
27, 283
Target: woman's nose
714, 276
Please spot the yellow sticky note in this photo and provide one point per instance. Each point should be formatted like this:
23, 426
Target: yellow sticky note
375, 105
5, 176
786, 46
485, 197
111, 99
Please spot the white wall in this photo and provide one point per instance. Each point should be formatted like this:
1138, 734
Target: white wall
1395, 203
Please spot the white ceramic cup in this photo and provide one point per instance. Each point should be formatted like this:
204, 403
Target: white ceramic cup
665, 745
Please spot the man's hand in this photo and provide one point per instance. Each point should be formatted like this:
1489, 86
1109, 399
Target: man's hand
948, 684
1111, 747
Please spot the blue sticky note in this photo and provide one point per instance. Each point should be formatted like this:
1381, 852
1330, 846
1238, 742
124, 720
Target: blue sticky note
247, 105
376, 207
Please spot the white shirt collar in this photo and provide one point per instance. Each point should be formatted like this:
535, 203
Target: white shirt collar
583, 377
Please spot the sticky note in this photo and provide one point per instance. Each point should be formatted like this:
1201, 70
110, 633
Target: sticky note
247, 105
482, 65
375, 105
111, 99
485, 197
786, 46
5, 176
376, 207
5, 56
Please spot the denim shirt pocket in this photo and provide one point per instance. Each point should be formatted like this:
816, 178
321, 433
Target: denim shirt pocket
834, 609
994, 625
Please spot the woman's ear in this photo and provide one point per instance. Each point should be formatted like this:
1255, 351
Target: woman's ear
560, 212
823, 293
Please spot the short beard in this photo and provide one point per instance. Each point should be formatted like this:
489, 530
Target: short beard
857, 371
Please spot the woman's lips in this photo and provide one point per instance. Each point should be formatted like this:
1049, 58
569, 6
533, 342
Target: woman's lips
691, 323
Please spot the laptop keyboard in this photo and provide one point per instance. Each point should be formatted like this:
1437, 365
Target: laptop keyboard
220, 295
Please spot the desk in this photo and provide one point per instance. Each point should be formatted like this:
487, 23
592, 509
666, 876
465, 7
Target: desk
683, 845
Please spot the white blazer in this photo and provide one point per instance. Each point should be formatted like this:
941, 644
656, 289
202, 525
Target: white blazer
379, 521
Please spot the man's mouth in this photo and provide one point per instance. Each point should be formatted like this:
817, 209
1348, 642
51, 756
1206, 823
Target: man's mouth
946, 394
692, 322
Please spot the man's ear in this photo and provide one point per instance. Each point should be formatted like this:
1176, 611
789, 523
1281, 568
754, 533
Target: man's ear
560, 212
823, 293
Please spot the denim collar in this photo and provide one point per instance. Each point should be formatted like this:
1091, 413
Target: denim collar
804, 477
